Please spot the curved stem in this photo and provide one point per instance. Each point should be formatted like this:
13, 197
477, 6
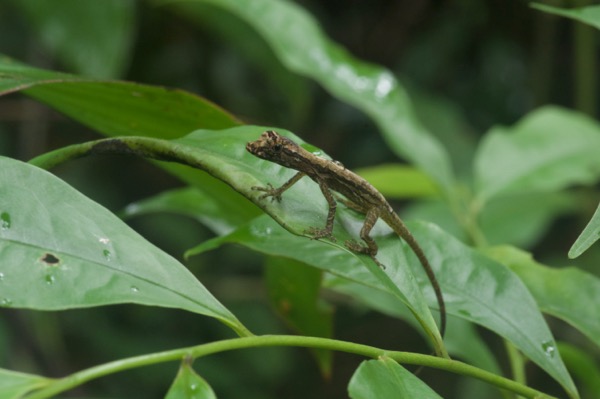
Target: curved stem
63, 384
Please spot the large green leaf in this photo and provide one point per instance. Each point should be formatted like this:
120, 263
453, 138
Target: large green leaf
384, 378
115, 108
91, 38
562, 293
475, 287
588, 15
548, 150
61, 250
301, 46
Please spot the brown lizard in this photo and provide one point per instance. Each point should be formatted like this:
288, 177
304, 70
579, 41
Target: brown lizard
359, 196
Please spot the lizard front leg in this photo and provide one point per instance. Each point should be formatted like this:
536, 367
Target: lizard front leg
371, 248
275, 193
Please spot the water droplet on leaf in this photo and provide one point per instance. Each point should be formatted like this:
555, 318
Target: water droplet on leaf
549, 348
107, 255
134, 289
49, 279
5, 302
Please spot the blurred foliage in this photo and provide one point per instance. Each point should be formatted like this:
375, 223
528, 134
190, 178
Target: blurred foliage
468, 66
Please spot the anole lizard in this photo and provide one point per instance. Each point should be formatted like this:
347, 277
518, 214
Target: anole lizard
359, 196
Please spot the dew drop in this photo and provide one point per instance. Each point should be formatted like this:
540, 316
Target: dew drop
193, 387
549, 348
5, 221
5, 302
107, 255
1, 276
104, 240
49, 278
135, 289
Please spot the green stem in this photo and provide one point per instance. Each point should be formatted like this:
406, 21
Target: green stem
63, 384
517, 364
585, 64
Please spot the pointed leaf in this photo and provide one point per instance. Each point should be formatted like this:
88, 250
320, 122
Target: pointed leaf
588, 236
588, 15
384, 378
189, 385
60, 250
115, 108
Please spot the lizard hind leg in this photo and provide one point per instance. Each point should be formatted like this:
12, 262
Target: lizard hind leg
327, 231
371, 247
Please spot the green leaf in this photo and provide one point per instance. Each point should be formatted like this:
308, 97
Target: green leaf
588, 236
548, 150
61, 250
384, 378
91, 38
13, 385
398, 181
562, 293
115, 108
301, 46
588, 15
475, 287
189, 385
221, 217
293, 290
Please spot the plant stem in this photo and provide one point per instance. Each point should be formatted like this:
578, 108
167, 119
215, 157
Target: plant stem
78, 378
585, 64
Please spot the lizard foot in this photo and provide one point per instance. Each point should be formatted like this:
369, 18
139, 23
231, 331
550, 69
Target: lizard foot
361, 249
320, 233
274, 193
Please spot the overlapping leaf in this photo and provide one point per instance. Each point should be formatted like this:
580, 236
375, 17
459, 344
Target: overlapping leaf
61, 250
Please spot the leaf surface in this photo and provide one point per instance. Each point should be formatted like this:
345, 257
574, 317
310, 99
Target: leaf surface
550, 149
60, 250
385, 378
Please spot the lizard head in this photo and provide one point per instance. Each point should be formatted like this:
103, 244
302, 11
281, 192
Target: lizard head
275, 148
